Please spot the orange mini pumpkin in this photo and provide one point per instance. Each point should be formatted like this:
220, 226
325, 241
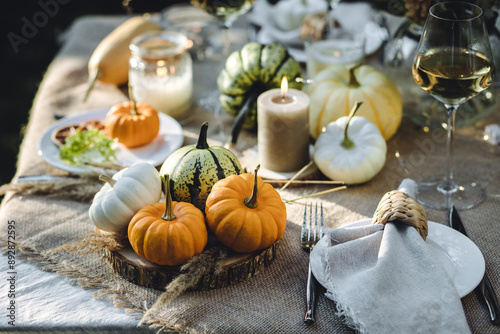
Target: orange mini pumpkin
244, 213
133, 124
168, 233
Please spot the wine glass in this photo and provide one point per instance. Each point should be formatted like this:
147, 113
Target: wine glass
453, 64
331, 6
226, 11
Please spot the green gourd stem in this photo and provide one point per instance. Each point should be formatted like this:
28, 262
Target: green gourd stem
251, 201
353, 82
107, 179
202, 139
347, 143
169, 213
132, 98
242, 115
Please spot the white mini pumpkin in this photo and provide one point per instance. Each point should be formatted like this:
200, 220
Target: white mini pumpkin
353, 156
121, 197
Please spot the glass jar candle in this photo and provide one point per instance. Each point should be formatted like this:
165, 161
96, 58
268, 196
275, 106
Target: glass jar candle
161, 72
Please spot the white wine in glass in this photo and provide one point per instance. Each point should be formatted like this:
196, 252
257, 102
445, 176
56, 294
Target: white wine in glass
227, 11
453, 64
453, 76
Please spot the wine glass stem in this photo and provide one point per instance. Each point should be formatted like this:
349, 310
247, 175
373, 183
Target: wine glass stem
332, 5
227, 39
448, 186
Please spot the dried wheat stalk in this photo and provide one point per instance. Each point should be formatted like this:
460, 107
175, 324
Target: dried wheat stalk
82, 188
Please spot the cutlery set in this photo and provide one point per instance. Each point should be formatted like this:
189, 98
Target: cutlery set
313, 228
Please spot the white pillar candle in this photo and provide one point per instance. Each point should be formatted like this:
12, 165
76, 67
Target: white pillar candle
283, 129
171, 95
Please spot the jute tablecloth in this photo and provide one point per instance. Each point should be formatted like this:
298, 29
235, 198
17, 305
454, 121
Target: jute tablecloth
273, 300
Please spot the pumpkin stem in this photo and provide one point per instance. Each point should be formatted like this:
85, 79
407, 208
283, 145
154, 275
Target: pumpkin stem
92, 80
202, 139
347, 143
353, 82
132, 98
169, 213
251, 201
107, 179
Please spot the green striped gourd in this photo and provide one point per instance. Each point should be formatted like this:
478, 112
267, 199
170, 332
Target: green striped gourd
251, 71
194, 169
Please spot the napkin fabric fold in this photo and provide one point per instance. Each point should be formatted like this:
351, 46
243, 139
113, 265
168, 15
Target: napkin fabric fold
384, 279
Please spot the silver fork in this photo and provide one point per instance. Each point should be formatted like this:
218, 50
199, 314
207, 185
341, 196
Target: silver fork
311, 232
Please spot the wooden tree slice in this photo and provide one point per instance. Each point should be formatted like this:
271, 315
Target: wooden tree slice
235, 267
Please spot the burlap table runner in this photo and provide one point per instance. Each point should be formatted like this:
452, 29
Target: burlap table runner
273, 300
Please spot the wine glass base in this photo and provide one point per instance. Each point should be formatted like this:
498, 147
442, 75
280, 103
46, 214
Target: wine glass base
465, 194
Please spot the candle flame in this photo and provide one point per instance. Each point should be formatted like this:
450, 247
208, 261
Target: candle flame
161, 70
284, 87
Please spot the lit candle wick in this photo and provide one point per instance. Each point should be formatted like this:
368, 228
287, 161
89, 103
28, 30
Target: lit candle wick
284, 89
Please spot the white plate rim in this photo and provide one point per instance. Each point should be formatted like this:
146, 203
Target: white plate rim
169, 139
467, 260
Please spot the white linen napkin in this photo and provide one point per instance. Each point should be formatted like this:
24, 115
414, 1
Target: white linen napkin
384, 279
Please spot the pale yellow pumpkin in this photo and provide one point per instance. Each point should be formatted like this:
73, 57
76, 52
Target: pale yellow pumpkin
336, 89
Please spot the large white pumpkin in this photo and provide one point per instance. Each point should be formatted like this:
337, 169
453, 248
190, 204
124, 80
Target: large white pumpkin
335, 89
134, 188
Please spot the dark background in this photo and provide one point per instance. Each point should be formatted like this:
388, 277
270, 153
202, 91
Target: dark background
23, 70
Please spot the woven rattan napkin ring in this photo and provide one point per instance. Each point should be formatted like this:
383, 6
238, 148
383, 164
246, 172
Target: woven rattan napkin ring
401, 207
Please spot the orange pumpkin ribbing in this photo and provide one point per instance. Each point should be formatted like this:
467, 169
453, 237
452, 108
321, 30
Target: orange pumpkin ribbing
130, 128
168, 242
238, 226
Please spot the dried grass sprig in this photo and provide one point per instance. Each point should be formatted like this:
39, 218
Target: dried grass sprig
191, 273
94, 242
82, 188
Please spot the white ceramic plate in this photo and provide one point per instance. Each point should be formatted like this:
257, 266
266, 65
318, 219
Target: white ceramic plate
169, 139
461, 258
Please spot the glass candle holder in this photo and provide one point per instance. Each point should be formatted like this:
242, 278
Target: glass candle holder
341, 47
161, 72
205, 38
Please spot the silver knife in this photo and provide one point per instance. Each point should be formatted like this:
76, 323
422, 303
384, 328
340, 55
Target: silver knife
484, 288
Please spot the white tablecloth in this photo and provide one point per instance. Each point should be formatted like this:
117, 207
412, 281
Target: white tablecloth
38, 302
